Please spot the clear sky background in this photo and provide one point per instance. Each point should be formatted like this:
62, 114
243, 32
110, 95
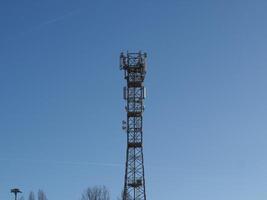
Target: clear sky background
61, 100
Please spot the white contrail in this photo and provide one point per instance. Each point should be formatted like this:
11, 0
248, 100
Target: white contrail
84, 163
47, 22
63, 162
60, 18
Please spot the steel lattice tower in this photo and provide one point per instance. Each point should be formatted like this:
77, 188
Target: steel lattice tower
134, 67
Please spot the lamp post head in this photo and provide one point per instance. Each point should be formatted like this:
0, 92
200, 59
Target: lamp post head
15, 190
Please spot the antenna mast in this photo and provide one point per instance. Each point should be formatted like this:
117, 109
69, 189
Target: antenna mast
134, 66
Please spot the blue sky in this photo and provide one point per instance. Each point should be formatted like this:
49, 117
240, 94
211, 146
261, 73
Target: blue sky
61, 96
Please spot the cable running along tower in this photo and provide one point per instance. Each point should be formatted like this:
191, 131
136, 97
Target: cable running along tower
134, 66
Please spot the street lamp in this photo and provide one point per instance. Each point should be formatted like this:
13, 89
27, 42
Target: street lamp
15, 191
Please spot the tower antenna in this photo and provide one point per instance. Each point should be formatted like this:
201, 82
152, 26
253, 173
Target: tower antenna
134, 66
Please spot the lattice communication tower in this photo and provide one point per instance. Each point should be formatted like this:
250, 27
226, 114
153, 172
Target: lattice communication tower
134, 66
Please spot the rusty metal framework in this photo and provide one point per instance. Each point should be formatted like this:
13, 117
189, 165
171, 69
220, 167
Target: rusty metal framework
134, 66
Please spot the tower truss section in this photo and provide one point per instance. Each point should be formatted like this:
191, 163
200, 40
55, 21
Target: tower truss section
134, 66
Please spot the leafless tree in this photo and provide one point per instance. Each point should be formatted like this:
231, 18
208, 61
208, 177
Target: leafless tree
31, 196
41, 195
122, 194
96, 193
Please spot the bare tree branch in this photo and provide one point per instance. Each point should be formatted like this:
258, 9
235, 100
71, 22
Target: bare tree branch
31, 196
96, 193
41, 195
